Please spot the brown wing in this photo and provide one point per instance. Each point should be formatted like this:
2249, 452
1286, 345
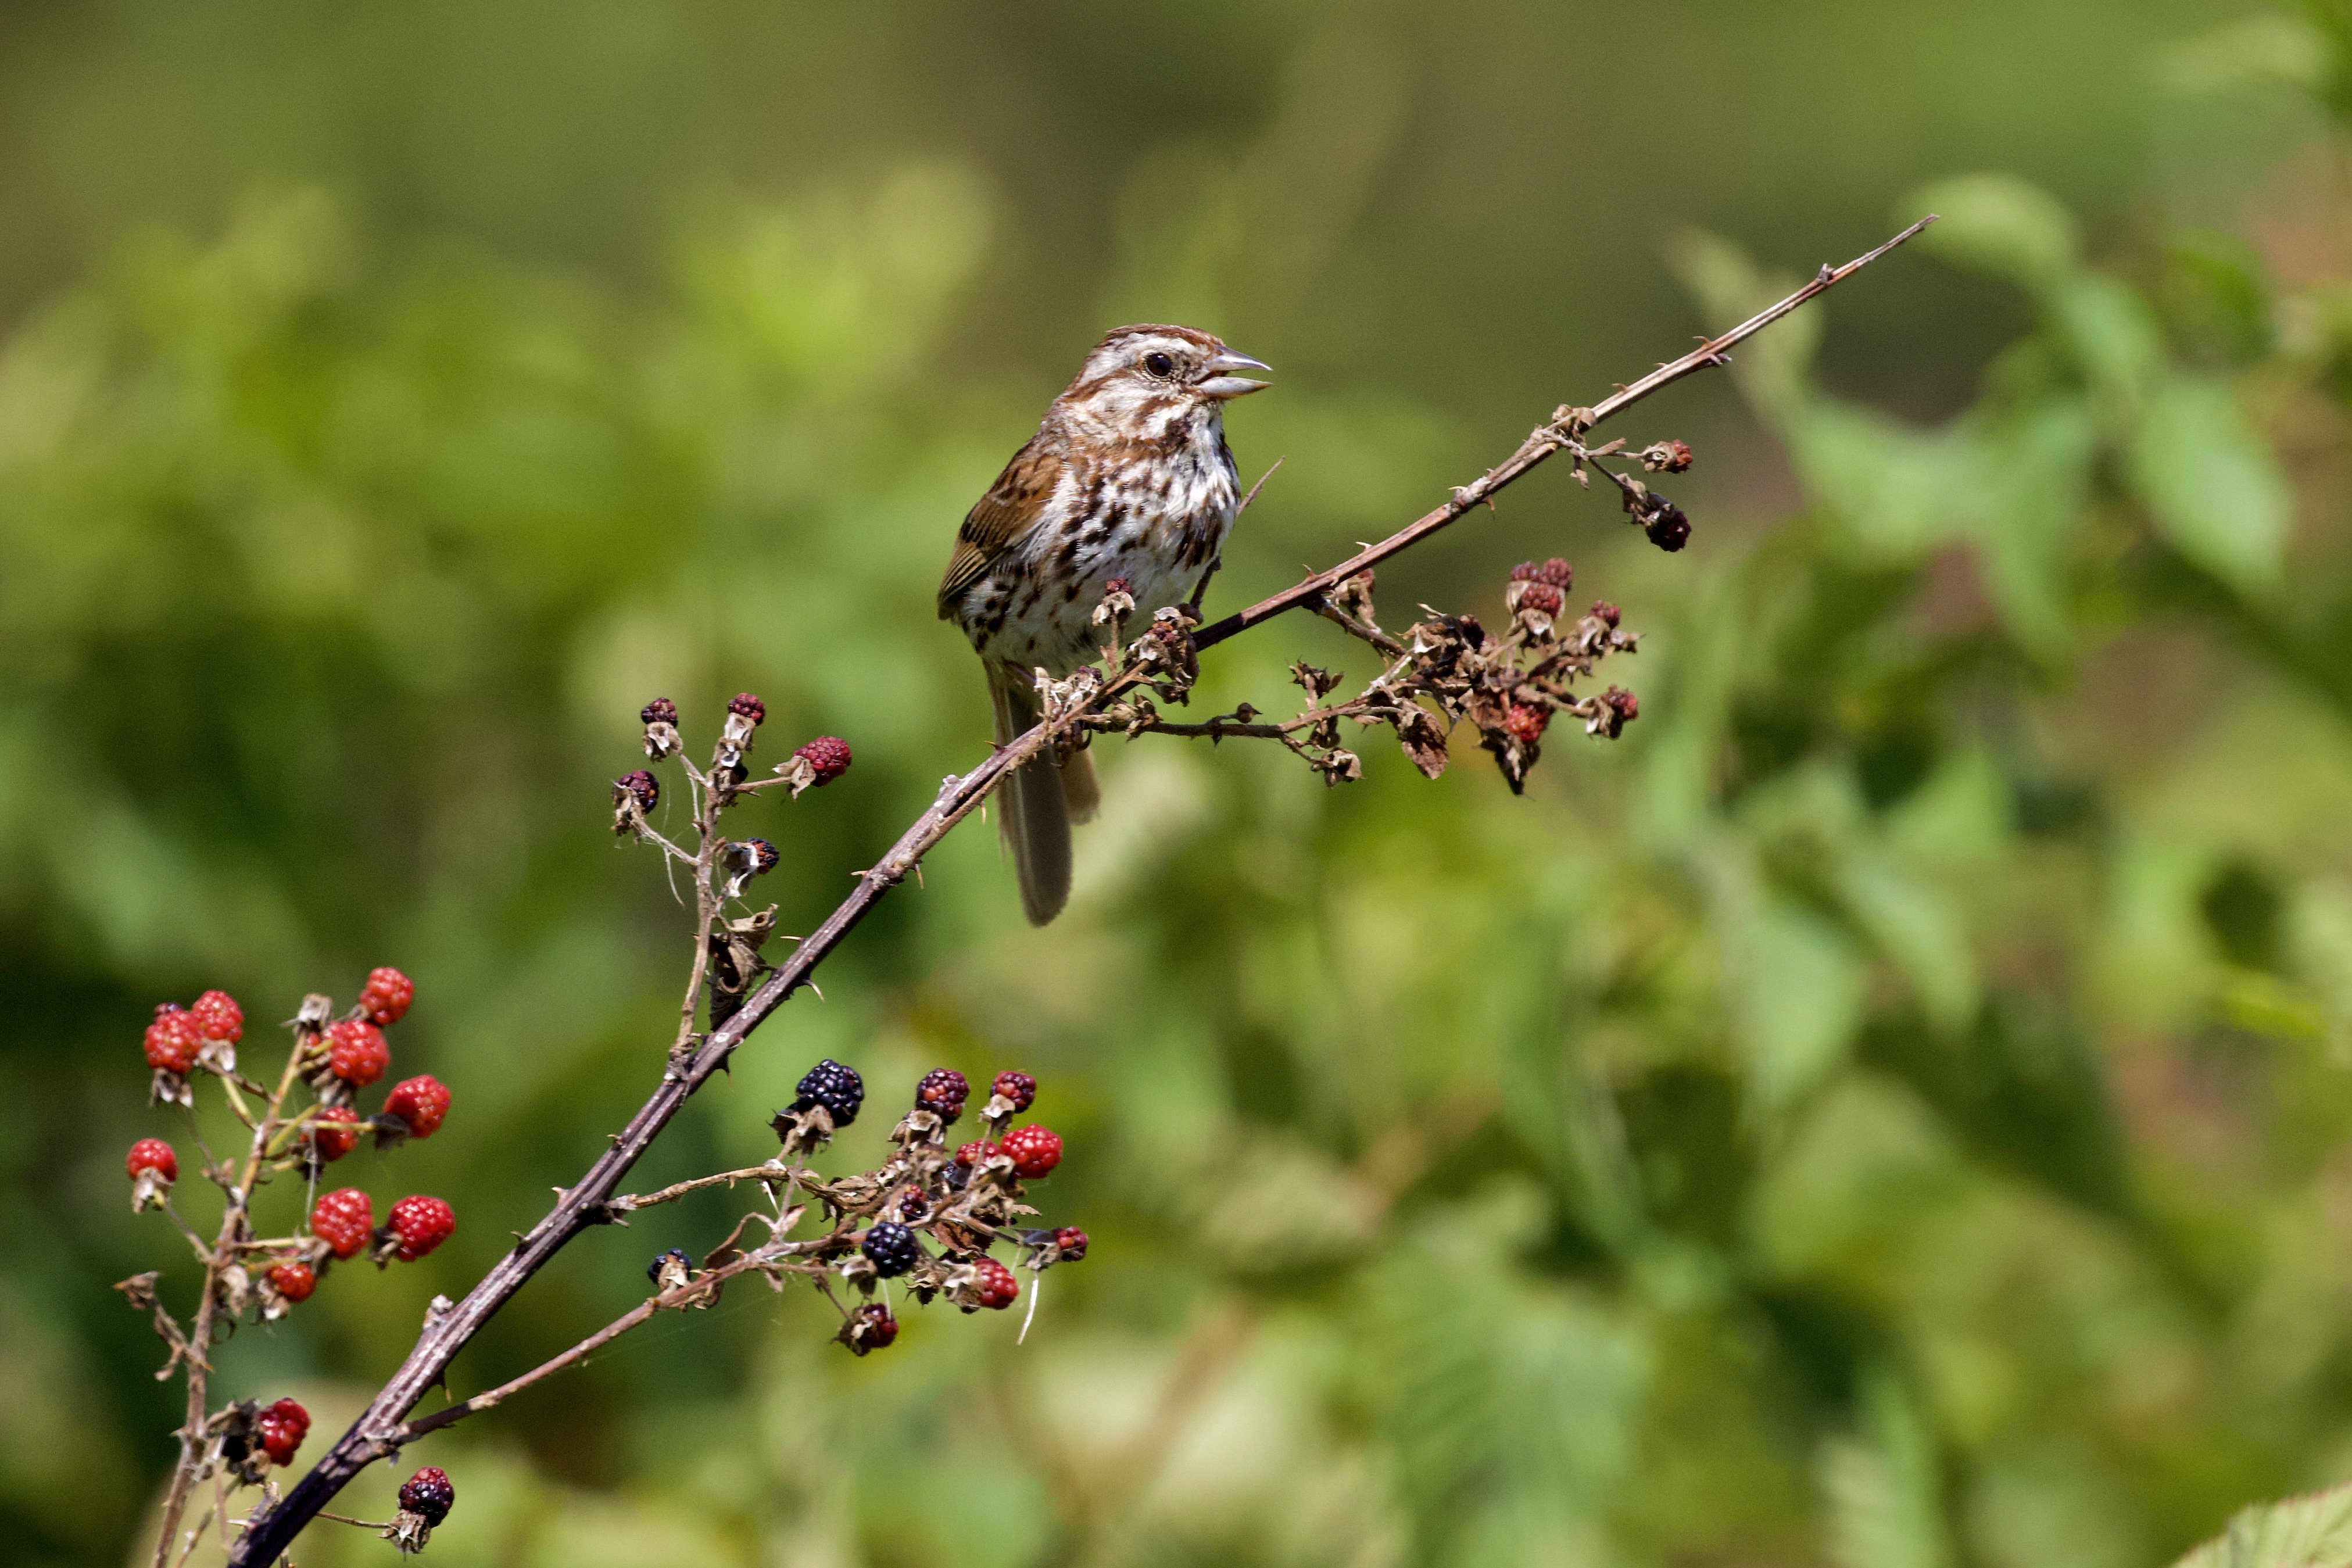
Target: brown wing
1001, 518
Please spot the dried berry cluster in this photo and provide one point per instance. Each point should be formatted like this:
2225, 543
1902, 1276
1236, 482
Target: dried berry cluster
1443, 670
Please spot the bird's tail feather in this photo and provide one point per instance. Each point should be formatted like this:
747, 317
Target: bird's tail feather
1040, 799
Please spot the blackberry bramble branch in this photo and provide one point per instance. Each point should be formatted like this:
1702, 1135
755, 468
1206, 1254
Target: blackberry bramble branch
1442, 670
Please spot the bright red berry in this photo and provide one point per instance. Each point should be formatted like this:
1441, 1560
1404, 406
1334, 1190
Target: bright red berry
174, 1039
428, 1495
152, 1155
421, 1223
1073, 1243
421, 1101
356, 1051
828, 755
1527, 724
283, 1427
386, 995
344, 1219
1017, 1087
218, 1016
998, 1288
335, 1132
1036, 1150
980, 1149
295, 1281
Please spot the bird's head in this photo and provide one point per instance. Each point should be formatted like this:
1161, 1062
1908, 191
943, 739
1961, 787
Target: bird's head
1141, 378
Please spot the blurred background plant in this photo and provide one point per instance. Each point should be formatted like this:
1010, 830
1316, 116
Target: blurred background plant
1889, 1111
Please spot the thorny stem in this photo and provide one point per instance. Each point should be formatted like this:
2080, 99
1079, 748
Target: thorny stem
696, 1291
222, 1255
631, 1202
380, 1432
1545, 440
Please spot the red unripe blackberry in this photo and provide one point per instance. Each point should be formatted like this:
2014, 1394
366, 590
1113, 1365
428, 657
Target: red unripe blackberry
218, 1016
1525, 571
1557, 572
295, 1281
872, 1328
979, 1150
421, 1101
283, 1427
152, 1155
746, 706
660, 710
421, 1223
1073, 1243
913, 1207
356, 1051
998, 1288
1540, 597
827, 756
1626, 706
640, 786
1017, 1087
1604, 612
386, 995
1525, 724
333, 1141
428, 1495
344, 1219
1036, 1150
174, 1039
944, 1092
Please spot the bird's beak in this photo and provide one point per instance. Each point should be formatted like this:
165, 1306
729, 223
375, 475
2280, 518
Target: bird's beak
1224, 384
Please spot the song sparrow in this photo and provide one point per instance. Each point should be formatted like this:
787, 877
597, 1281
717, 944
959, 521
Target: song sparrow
1129, 476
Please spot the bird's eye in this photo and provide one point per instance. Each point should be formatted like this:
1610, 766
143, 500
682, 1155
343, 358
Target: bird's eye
1158, 364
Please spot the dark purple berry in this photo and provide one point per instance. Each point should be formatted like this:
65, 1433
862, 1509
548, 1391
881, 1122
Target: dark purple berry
428, 1495
944, 1092
892, 1247
1017, 1087
836, 1087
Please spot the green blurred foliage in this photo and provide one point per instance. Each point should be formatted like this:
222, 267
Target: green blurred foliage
1887, 1111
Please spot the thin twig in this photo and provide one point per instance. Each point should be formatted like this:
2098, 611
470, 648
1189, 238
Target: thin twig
379, 1429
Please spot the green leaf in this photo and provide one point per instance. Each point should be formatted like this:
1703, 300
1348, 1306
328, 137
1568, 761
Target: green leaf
1913, 925
2001, 224
2210, 487
1802, 1001
1882, 1489
2313, 1531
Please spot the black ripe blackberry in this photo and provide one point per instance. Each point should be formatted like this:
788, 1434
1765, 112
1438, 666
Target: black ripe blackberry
836, 1087
892, 1247
661, 1259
